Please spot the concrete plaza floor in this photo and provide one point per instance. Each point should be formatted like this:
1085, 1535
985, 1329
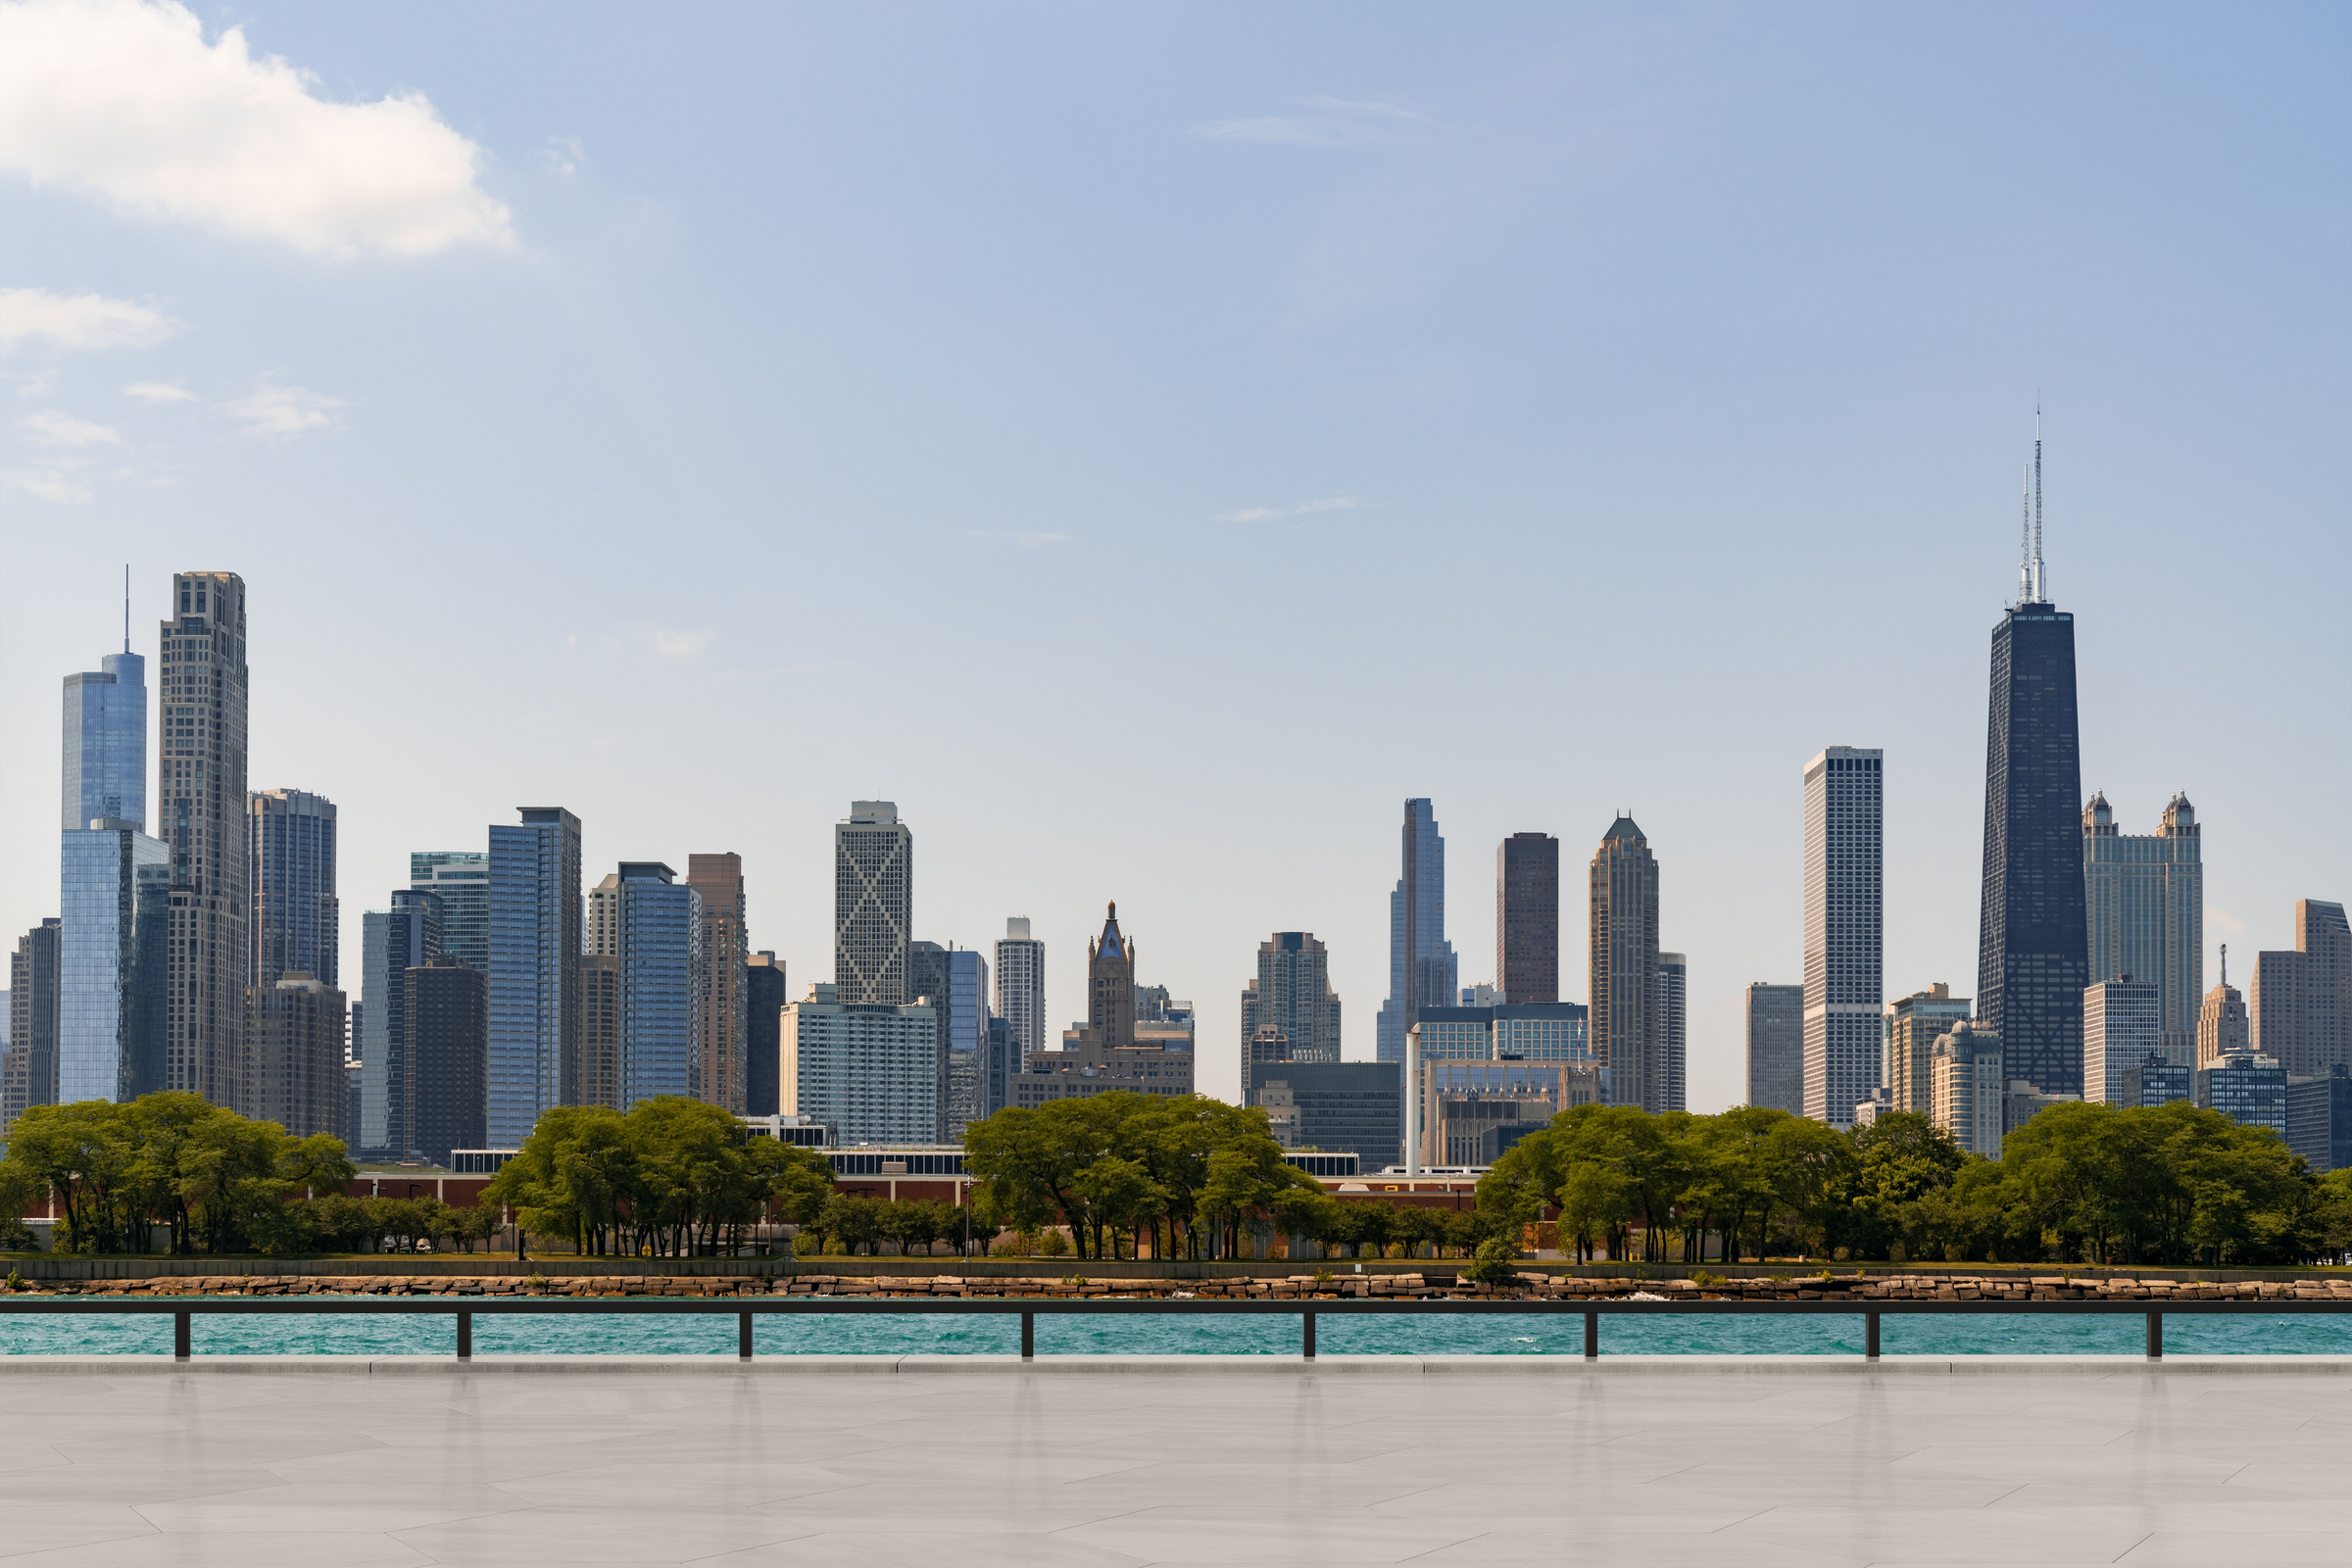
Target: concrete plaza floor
900, 1462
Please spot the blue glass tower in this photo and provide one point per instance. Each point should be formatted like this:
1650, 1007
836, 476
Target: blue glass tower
661, 929
113, 901
1422, 969
461, 878
106, 743
534, 969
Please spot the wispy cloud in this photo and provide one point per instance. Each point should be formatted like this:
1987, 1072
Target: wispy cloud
1030, 540
563, 154
1322, 123
158, 392
54, 430
1298, 509
282, 413
677, 644
50, 485
79, 322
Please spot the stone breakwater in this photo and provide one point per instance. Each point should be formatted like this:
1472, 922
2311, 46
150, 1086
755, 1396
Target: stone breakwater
1296, 1287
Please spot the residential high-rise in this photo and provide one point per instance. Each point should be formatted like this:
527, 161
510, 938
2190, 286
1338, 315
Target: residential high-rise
962, 1004
868, 1070
296, 920
1422, 969
1673, 1021
449, 1018
1776, 1046
2032, 952
1913, 1023
997, 1067
2223, 1026
2145, 911
2123, 1026
28, 1072
106, 742
873, 905
725, 1043
1966, 1090
598, 1082
763, 1012
201, 814
461, 878
1021, 989
2300, 1005
534, 973
295, 1065
1844, 931
392, 942
113, 961
1293, 994
1624, 925
1527, 919
662, 971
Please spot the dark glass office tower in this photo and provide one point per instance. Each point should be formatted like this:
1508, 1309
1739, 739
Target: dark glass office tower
2032, 949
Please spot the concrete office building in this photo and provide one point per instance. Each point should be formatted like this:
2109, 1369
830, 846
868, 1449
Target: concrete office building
2248, 1088
868, 1070
2299, 1008
28, 1071
2157, 1082
1293, 994
1844, 931
2319, 1118
1967, 1089
598, 1082
1472, 1111
535, 944
1913, 1025
295, 1074
2145, 911
725, 1038
766, 1000
1628, 1037
448, 1005
2224, 1027
1526, 917
460, 879
296, 921
2023, 1102
201, 785
1776, 1046
1422, 969
2122, 1025
1674, 1013
873, 905
114, 962
662, 975
392, 942
1335, 1106
1021, 989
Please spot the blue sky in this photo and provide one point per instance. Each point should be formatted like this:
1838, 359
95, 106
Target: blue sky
1150, 443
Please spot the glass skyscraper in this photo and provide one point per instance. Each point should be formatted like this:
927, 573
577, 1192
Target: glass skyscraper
1844, 931
462, 879
392, 942
660, 950
106, 743
112, 942
535, 967
296, 919
1422, 969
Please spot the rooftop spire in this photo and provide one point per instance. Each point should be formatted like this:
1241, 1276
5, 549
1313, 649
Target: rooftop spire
126, 606
2041, 585
2024, 536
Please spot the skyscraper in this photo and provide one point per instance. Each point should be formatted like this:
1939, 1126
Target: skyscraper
1673, 1018
2033, 958
2223, 1027
392, 942
1913, 1024
1776, 1046
296, 919
28, 1072
2123, 1026
295, 1065
725, 1041
598, 1081
2145, 911
1021, 989
1422, 969
461, 878
2300, 1005
868, 1070
448, 1010
1293, 994
873, 905
763, 1012
1624, 923
535, 969
1111, 985
956, 983
201, 815
106, 742
1845, 929
1527, 919
661, 977
113, 958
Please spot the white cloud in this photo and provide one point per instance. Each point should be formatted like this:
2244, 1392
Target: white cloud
158, 392
55, 430
1326, 122
51, 486
280, 413
125, 101
79, 322
679, 644
563, 154
1298, 510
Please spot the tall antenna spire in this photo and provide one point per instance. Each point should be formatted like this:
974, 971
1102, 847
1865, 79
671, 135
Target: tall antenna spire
126, 606
2042, 585
2025, 535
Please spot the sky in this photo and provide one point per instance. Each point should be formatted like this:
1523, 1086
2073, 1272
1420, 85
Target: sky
1150, 443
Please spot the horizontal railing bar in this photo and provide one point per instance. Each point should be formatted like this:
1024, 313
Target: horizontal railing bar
822, 1305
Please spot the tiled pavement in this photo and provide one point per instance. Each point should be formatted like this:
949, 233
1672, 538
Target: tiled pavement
1543, 1463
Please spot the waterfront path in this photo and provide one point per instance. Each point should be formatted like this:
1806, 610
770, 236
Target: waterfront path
1075, 1464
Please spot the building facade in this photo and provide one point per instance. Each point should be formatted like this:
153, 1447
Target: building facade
535, 944
2223, 1026
598, 1082
662, 972
28, 1070
1844, 931
448, 1005
392, 942
1776, 1046
2145, 911
1293, 994
2299, 1008
296, 1062
106, 743
460, 879
1473, 1111
1422, 969
725, 1026
1624, 945
1333, 1106
1526, 917
1967, 1092
766, 1000
2122, 1025
1021, 989
1536, 1031
868, 1070
873, 905
296, 921
1674, 1014
2248, 1088
1914, 1024
2319, 1119
114, 962
201, 789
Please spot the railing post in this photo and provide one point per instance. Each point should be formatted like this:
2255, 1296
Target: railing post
180, 1333
743, 1336
1306, 1337
1592, 1333
1028, 1334
465, 1334
1870, 1336
2155, 1336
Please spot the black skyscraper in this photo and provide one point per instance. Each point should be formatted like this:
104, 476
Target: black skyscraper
2032, 951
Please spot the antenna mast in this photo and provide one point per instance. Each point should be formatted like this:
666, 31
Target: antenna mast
2024, 536
126, 606
2041, 586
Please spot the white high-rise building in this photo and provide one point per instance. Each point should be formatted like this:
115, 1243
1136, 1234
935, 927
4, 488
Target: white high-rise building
868, 1070
2145, 913
2123, 1026
874, 904
1021, 990
1844, 927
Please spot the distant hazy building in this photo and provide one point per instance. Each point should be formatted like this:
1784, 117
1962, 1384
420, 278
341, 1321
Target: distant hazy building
201, 814
296, 920
2300, 1005
1021, 989
2122, 1025
1293, 993
460, 879
1967, 1089
1422, 969
1844, 931
1776, 1046
1473, 1111
724, 1027
2248, 1088
392, 942
1627, 1035
661, 977
2145, 911
1526, 917
2319, 1118
1913, 1025
535, 969
597, 1082
997, 1067
113, 961
449, 1027
868, 1070
106, 743
766, 1000
1673, 1016
2223, 1025
296, 1075
2023, 1102
28, 1071
1334, 1107
873, 905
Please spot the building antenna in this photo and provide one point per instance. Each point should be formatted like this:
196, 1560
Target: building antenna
126, 606
2041, 586
2025, 535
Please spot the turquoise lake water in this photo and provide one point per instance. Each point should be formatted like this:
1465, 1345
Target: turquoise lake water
646, 1333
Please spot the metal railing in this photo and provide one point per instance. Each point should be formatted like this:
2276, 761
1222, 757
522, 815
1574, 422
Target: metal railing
748, 1309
